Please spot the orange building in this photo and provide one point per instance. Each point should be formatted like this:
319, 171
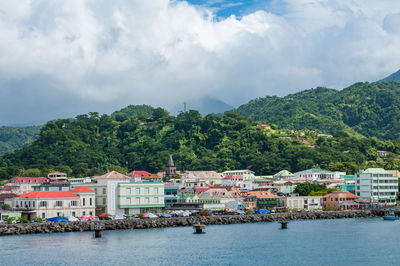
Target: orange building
342, 200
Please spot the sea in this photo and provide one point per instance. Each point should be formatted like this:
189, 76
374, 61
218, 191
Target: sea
365, 241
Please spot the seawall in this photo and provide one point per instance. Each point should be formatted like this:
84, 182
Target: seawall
36, 228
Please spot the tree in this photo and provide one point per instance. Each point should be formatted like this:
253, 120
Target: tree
5, 207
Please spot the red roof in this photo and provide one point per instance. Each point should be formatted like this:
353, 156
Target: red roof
142, 174
8, 188
233, 177
29, 179
82, 189
49, 194
348, 194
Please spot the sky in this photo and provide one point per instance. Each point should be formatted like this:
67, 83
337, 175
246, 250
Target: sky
59, 59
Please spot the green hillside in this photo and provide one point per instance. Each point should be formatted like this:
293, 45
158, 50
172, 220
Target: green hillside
393, 77
89, 144
367, 109
13, 138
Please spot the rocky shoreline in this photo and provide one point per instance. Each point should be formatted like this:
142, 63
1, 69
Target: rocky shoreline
37, 228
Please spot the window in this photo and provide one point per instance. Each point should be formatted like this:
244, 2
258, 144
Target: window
137, 200
147, 191
104, 201
58, 213
147, 200
90, 201
104, 191
74, 203
43, 204
137, 191
74, 214
91, 213
95, 190
129, 201
43, 215
59, 203
128, 191
83, 201
83, 213
156, 190
33, 204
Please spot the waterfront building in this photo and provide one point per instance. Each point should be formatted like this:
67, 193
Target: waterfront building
134, 197
307, 203
246, 174
263, 199
171, 194
237, 181
377, 185
48, 204
211, 202
284, 174
341, 200
318, 174
23, 185
56, 181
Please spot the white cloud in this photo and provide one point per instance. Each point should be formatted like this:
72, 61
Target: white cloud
159, 52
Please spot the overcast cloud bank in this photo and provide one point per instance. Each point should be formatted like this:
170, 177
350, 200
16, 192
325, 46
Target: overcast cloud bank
65, 58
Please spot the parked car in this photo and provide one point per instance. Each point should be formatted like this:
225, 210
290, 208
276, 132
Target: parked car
134, 217
145, 216
117, 217
165, 215
151, 215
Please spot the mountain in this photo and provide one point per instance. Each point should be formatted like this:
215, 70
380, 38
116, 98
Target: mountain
205, 105
90, 144
13, 138
395, 77
367, 109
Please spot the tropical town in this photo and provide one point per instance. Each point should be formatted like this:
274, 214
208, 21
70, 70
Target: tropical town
180, 193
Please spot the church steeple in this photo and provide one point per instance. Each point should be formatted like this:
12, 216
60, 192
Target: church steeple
170, 170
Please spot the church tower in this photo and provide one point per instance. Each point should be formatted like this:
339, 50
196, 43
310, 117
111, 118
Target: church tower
170, 170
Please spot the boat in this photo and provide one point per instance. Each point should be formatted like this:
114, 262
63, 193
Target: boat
390, 217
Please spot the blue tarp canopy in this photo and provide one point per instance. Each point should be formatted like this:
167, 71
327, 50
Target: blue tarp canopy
262, 211
57, 219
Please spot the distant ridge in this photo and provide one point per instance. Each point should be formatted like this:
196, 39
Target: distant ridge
205, 105
393, 77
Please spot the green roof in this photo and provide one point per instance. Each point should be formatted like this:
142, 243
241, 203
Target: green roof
284, 173
375, 171
314, 170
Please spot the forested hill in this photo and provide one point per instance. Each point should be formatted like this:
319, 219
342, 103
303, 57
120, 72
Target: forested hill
13, 138
393, 77
368, 109
89, 144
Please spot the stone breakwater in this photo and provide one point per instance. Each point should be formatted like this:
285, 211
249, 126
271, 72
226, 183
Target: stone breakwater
36, 228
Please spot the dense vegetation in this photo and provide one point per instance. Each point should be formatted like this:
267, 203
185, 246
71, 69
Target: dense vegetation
13, 138
89, 144
308, 189
371, 110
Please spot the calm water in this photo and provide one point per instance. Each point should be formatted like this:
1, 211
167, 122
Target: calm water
328, 242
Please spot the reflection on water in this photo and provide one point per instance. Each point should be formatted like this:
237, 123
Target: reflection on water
329, 242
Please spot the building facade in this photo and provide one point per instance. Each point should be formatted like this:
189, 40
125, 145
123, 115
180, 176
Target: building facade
307, 203
377, 185
48, 204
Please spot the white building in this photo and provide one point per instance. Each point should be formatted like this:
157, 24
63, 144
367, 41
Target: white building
247, 174
134, 197
47, 204
237, 181
307, 203
377, 185
318, 174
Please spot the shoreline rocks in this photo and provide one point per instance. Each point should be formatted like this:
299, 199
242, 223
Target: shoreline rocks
37, 228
